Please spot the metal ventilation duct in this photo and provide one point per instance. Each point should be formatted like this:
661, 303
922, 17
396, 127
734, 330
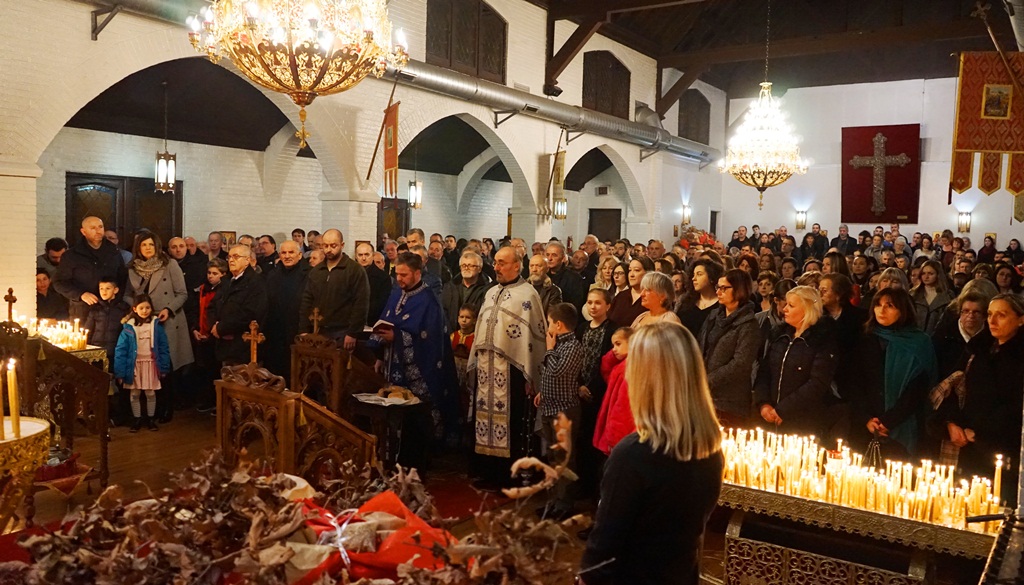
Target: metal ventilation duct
492, 95
1015, 8
507, 100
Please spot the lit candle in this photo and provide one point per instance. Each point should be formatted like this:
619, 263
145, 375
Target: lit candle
13, 397
997, 486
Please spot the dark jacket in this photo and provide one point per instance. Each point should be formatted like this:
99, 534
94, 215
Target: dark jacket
796, 377
52, 306
267, 263
949, 344
380, 290
104, 323
549, 294
867, 393
284, 294
730, 346
651, 517
572, 286
849, 331
81, 269
928, 314
845, 247
240, 302
992, 408
193, 268
455, 294
624, 309
439, 269
342, 295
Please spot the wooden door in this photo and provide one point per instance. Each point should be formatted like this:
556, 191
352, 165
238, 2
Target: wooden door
392, 217
125, 204
92, 195
606, 224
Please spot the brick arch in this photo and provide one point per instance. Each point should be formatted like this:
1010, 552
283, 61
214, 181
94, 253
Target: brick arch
502, 146
634, 197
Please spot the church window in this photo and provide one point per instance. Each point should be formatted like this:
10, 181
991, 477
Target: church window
605, 84
468, 36
694, 116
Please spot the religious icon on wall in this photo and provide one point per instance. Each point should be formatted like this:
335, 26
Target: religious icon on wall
996, 104
229, 237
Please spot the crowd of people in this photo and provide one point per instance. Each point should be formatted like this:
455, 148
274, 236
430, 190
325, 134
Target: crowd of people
908, 340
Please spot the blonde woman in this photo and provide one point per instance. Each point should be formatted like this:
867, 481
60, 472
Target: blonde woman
604, 273
660, 483
795, 377
657, 295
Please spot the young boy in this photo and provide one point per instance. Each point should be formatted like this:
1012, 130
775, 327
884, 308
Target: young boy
559, 392
596, 339
462, 343
104, 324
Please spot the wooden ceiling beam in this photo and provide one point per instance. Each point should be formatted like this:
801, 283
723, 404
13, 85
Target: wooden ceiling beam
962, 28
572, 47
677, 90
602, 8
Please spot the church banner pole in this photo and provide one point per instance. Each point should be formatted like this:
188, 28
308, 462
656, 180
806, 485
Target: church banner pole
982, 13
383, 122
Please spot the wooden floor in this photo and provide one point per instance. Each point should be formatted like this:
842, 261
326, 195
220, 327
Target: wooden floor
145, 456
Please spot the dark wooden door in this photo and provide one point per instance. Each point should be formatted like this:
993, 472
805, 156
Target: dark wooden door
606, 224
125, 204
393, 217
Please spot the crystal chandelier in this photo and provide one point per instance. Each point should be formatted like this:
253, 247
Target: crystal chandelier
763, 153
166, 162
303, 48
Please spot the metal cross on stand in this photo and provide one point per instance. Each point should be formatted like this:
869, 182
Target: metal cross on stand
10, 299
878, 163
316, 318
254, 337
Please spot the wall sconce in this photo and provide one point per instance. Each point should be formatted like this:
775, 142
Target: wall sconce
963, 222
686, 214
801, 220
561, 208
416, 194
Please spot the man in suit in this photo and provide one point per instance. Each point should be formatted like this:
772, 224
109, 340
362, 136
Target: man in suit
243, 300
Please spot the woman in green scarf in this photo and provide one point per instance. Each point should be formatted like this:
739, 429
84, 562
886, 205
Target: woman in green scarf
896, 368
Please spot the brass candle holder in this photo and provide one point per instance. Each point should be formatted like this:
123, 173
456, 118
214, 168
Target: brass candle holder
19, 460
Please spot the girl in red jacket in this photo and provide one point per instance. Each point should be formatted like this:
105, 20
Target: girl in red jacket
615, 420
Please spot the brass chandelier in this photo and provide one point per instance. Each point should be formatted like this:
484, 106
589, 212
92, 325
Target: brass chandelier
303, 48
763, 153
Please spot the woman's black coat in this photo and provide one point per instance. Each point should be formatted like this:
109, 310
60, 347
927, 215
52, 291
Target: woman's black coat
796, 376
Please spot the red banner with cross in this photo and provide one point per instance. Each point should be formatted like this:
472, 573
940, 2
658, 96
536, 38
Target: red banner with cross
881, 177
391, 150
989, 124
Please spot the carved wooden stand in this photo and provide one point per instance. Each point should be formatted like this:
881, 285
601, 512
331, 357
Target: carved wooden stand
290, 432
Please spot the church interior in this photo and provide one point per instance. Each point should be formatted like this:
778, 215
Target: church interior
540, 120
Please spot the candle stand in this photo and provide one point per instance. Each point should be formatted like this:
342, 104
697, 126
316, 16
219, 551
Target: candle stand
19, 459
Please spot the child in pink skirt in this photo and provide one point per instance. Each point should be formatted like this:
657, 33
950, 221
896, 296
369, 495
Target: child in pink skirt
141, 358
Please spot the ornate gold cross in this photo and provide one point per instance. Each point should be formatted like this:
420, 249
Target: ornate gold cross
254, 337
10, 299
878, 163
316, 318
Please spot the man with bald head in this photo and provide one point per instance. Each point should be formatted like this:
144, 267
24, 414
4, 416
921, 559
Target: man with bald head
655, 249
340, 289
193, 268
508, 348
286, 281
380, 283
84, 265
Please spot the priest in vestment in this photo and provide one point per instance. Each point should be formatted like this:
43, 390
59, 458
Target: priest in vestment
508, 349
419, 359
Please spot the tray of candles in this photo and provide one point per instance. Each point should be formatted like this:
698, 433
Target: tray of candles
793, 477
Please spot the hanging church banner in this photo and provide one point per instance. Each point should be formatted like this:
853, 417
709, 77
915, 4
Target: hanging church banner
989, 123
391, 150
881, 177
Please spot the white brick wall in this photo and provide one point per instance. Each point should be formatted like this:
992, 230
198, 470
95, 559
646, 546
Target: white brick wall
222, 186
